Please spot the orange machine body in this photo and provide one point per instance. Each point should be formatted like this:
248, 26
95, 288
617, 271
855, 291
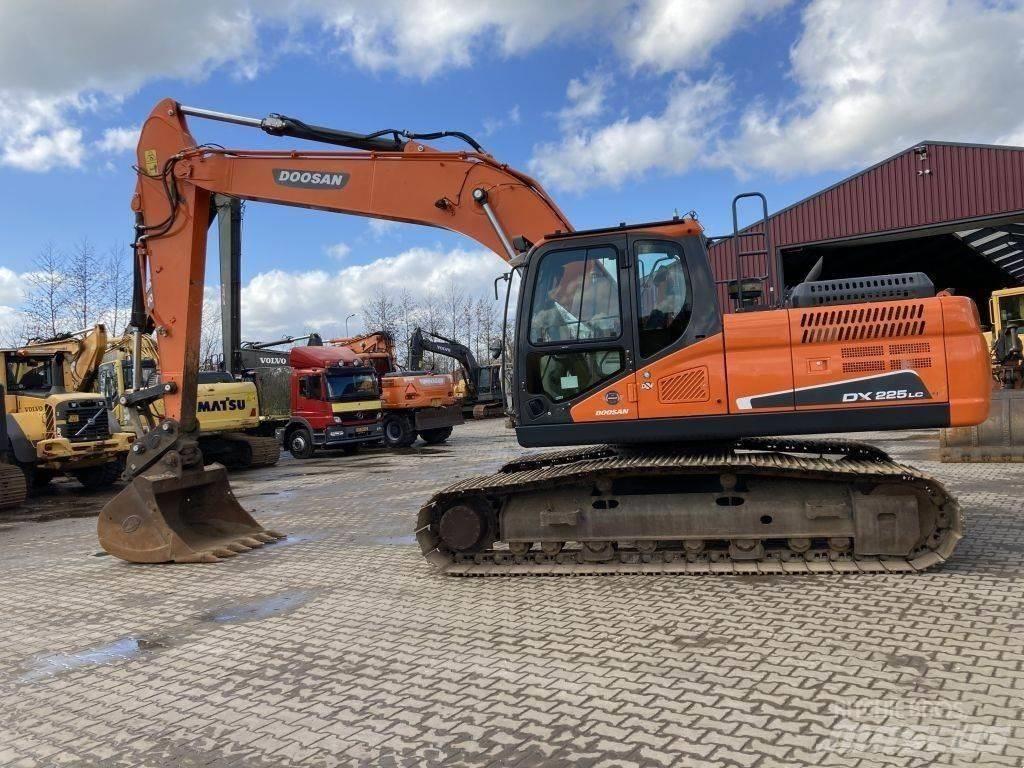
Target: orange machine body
798, 360
401, 390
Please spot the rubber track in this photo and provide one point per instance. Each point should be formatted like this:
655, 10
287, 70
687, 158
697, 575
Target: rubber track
789, 458
265, 451
13, 486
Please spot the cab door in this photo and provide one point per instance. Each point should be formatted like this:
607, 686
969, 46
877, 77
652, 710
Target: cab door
575, 337
680, 352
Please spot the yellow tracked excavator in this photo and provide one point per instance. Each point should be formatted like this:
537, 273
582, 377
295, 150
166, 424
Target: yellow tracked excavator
226, 409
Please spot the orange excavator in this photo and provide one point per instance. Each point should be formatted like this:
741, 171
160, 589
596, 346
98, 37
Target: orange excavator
620, 346
416, 403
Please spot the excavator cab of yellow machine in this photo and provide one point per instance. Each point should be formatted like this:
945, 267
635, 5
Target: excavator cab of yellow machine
1000, 438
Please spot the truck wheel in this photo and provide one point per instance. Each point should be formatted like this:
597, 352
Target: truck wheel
300, 443
99, 478
398, 431
435, 436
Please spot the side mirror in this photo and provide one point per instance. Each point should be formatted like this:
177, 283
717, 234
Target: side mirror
495, 350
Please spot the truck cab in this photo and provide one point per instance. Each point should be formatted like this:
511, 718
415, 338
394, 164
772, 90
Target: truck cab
335, 401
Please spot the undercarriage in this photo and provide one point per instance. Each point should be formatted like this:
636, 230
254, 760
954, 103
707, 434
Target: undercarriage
755, 506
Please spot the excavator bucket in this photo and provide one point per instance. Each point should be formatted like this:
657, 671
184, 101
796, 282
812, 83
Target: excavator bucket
175, 510
1000, 438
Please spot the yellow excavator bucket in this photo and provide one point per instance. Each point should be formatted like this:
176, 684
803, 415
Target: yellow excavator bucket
1000, 438
175, 509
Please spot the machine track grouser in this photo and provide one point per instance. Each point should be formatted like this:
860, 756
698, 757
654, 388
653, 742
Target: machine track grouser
622, 341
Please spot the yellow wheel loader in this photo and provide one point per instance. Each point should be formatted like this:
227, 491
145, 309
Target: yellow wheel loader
1000, 438
227, 410
55, 424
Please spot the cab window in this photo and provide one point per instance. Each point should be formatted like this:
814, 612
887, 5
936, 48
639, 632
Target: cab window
310, 387
577, 296
564, 375
664, 303
1011, 310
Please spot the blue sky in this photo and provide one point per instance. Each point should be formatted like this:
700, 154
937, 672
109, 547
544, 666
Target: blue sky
625, 110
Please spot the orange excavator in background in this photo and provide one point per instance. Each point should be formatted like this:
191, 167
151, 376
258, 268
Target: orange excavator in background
620, 344
416, 403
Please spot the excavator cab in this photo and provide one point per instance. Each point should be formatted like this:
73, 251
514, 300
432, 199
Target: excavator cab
593, 308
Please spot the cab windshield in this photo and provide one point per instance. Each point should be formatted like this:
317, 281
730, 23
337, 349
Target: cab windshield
351, 385
1011, 310
150, 376
26, 374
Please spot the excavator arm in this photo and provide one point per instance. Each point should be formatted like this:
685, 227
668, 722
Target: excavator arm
422, 341
192, 516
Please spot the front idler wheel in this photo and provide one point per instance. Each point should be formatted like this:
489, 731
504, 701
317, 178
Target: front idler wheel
466, 527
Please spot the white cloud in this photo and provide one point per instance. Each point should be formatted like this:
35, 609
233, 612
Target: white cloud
586, 97
12, 287
381, 227
628, 148
422, 39
118, 140
668, 35
338, 251
88, 57
58, 59
35, 134
270, 308
875, 77
494, 124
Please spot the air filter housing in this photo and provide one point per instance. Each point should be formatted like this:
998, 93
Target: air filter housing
857, 290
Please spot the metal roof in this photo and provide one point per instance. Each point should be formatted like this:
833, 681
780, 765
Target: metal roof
1003, 246
928, 187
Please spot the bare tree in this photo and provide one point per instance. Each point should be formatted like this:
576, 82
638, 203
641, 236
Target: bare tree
487, 328
46, 301
116, 287
408, 310
381, 313
84, 278
210, 341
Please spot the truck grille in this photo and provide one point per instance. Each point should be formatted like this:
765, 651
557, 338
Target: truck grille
76, 416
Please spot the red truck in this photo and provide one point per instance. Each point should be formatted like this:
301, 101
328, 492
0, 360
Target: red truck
335, 401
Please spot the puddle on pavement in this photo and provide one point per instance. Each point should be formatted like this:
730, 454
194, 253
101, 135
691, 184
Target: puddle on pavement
124, 649
260, 608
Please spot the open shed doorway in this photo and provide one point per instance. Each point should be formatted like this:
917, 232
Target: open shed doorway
945, 258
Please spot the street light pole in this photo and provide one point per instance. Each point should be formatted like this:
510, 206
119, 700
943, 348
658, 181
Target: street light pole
346, 322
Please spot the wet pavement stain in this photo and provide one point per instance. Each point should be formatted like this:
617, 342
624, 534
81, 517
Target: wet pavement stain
123, 649
260, 608
918, 663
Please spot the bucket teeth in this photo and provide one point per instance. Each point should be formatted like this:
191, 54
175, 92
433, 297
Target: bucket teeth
234, 546
275, 534
225, 552
250, 542
266, 538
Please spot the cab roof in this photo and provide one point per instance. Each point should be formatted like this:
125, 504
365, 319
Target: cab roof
321, 357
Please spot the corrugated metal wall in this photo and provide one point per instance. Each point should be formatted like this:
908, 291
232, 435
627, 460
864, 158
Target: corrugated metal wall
952, 183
